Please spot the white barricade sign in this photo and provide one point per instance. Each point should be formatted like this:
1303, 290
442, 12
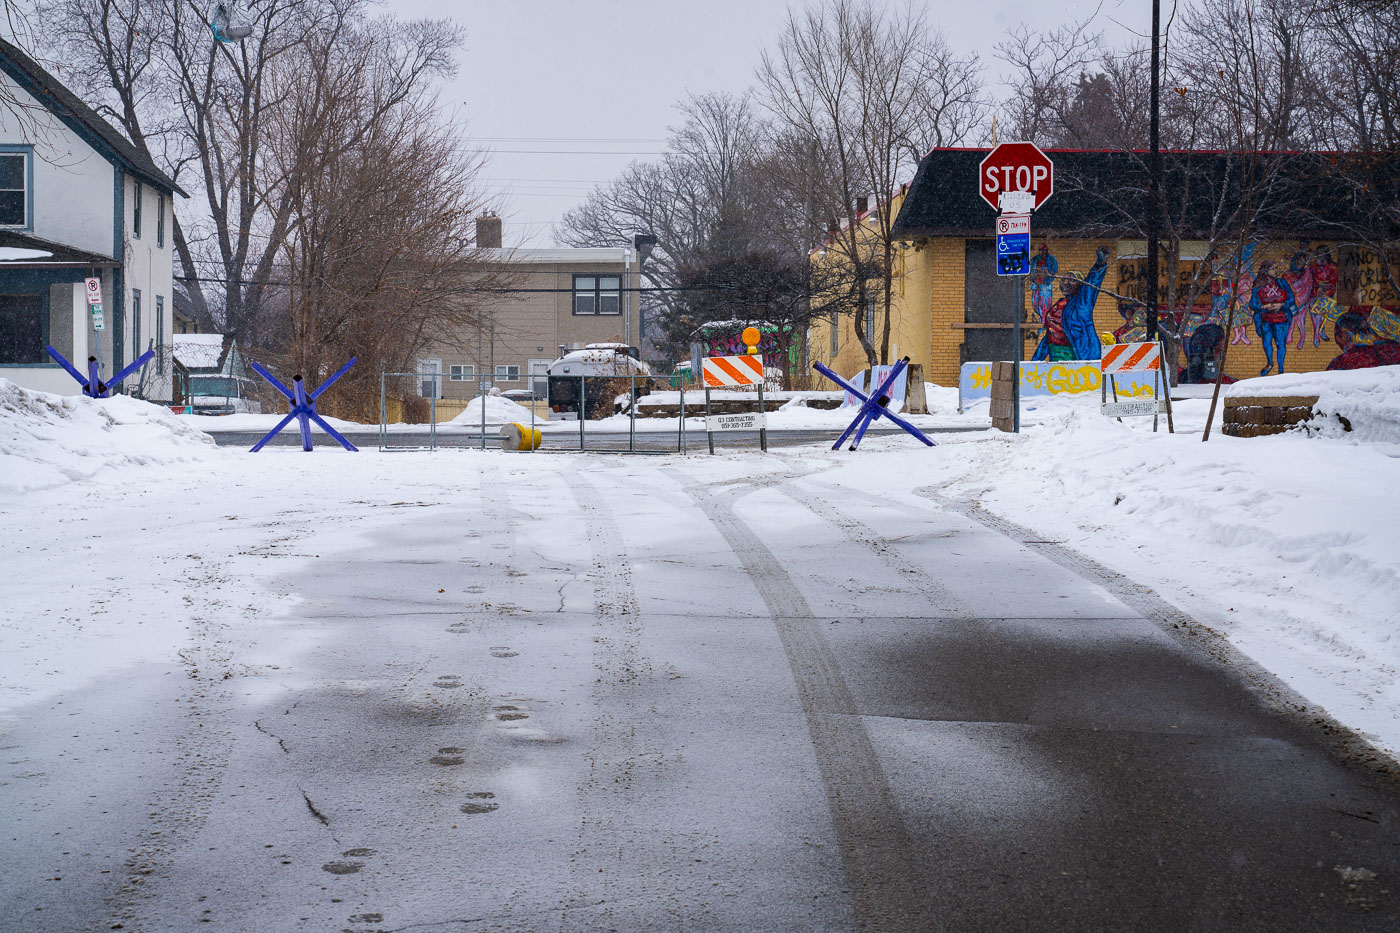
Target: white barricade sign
1132, 357
748, 421
725, 371
1148, 407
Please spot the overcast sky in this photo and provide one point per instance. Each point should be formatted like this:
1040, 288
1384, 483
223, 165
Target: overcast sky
548, 85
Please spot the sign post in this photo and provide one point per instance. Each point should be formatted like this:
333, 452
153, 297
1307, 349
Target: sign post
1015, 179
1145, 356
735, 372
94, 300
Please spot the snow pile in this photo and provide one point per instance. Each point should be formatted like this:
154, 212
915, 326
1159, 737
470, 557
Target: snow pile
1288, 545
1369, 400
49, 440
498, 411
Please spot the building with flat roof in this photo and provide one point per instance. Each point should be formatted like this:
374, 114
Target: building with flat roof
560, 300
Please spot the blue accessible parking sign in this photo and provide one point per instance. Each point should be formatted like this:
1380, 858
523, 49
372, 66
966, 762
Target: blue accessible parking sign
1013, 244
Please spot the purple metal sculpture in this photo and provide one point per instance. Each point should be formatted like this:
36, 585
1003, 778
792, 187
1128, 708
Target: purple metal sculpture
872, 407
303, 407
93, 386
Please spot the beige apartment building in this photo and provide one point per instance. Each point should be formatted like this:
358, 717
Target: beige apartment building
563, 299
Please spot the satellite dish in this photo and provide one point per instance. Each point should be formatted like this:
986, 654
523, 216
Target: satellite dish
223, 29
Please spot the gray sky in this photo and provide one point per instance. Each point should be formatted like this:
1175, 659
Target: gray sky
549, 84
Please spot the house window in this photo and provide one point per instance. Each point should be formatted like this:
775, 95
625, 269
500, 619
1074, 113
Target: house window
136, 322
870, 318
136, 214
597, 294
160, 224
461, 373
160, 335
835, 334
14, 187
507, 373
22, 329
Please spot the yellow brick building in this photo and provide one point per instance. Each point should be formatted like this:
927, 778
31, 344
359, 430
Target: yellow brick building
949, 307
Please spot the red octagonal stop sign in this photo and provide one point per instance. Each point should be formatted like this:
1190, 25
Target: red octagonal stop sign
1016, 167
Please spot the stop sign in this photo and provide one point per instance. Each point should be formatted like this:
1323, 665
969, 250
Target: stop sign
1015, 167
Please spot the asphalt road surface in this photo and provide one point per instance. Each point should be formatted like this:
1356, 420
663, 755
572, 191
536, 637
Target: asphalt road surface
853, 714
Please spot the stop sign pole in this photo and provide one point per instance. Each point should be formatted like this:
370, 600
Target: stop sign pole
1015, 179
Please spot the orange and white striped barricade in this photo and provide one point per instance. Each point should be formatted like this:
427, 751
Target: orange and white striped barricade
1143, 356
734, 372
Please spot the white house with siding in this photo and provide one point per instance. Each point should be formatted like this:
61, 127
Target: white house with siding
77, 199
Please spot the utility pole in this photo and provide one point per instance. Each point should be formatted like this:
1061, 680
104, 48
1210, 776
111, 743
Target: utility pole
1154, 196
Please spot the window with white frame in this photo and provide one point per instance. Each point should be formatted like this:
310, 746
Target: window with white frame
835, 325
597, 294
507, 373
461, 373
15, 168
136, 213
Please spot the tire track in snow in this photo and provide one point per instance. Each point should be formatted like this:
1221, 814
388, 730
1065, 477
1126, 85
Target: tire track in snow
609, 801
878, 545
875, 846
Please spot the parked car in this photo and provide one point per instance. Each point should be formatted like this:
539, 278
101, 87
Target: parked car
215, 394
606, 371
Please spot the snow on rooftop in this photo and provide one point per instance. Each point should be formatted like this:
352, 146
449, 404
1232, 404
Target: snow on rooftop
199, 351
18, 254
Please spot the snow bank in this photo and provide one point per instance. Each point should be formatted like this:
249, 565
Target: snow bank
49, 440
498, 411
1369, 400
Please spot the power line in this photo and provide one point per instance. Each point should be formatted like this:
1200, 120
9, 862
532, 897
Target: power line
494, 290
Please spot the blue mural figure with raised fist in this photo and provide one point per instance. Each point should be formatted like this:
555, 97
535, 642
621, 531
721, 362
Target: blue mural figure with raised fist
1069, 323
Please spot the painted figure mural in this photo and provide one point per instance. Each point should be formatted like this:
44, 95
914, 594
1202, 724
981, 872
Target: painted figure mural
1273, 306
1324, 295
1366, 338
1043, 269
1069, 332
1244, 291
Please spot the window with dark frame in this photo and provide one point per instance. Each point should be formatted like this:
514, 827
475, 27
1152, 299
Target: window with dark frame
14, 189
136, 214
507, 373
461, 373
597, 294
136, 321
160, 335
160, 221
22, 329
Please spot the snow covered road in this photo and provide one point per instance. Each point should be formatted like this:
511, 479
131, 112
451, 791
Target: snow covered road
471, 690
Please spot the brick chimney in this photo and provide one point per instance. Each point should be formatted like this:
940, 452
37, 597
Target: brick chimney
488, 232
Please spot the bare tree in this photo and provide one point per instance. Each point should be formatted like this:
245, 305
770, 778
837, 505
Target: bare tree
853, 79
380, 204
200, 108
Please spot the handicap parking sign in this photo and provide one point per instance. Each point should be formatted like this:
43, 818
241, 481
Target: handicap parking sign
1013, 244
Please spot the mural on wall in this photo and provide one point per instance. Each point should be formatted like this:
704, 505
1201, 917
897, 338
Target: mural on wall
723, 339
1272, 304
1070, 377
1042, 281
1366, 338
1069, 331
